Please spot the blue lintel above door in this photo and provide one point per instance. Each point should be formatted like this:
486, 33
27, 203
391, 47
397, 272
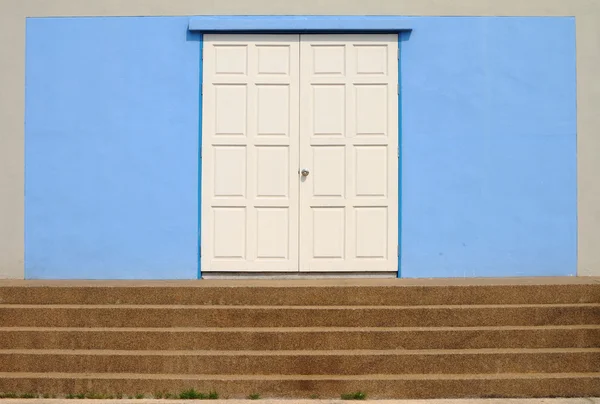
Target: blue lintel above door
299, 23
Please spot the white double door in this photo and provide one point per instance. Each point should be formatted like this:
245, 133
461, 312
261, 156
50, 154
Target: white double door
275, 105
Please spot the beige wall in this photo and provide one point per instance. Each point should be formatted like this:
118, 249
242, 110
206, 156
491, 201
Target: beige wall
12, 82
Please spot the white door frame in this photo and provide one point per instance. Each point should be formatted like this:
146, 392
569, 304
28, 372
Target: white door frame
203, 161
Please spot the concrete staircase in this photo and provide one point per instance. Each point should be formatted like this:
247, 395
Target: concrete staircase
305, 338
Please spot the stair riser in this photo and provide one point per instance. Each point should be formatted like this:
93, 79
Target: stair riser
297, 317
304, 364
300, 340
424, 374
401, 389
305, 296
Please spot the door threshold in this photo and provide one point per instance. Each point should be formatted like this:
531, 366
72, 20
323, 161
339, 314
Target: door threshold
296, 275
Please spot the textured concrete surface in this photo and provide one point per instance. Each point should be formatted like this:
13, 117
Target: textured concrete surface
409, 351
298, 316
549, 280
275, 386
589, 400
332, 292
305, 362
293, 338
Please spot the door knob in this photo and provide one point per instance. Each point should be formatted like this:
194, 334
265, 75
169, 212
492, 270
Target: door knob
304, 172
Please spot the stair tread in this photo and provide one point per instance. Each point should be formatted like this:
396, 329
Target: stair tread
20, 375
294, 283
302, 329
349, 352
280, 307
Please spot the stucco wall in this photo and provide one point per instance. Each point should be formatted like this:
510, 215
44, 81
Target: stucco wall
12, 34
111, 145
488, 147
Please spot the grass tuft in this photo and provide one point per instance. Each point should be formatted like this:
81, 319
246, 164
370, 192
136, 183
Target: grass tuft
28, 395
8, 395
94, 396
359, 395
192, 394
254, 396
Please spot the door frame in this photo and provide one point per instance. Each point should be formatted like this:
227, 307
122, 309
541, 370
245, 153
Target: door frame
227, 24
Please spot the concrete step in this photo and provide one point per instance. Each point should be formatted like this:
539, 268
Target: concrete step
390, 339
303, 386
349, 362
293, 338
17, 315
328, 292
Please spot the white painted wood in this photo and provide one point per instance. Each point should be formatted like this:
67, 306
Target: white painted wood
276, 104
348, 141
250, 153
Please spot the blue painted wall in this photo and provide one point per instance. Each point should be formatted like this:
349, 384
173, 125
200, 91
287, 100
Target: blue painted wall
489, 148
111, 148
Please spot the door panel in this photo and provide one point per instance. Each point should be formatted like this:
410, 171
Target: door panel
250, 135
349, 144
273, 104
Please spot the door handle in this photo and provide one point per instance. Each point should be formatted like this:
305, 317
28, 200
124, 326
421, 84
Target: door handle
304, 172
